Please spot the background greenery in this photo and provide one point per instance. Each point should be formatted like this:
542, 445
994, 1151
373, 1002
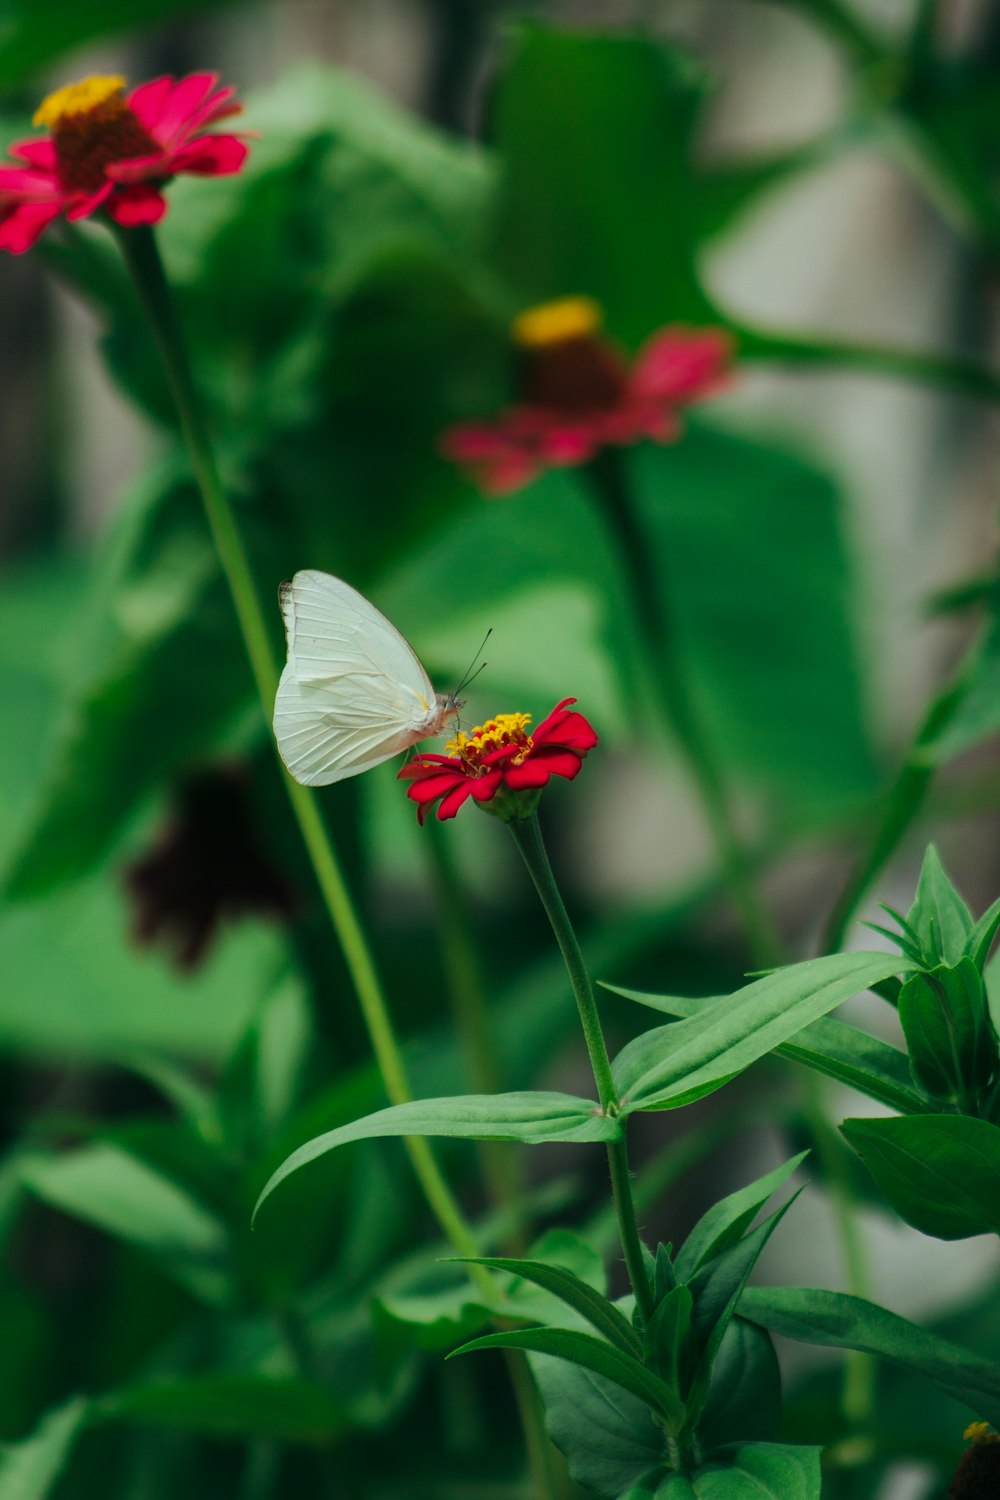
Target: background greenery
346, 297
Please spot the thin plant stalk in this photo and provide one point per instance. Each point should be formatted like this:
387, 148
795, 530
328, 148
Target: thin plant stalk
663, 664
528, 838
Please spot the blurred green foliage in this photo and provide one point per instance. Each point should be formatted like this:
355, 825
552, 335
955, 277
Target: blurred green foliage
346, 297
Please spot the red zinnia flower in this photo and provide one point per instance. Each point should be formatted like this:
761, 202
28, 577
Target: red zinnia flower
580, 393
500, 757
113, 151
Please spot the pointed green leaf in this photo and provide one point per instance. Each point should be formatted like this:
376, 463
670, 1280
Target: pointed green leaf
983, 935
591, 1354
675, 1064
108, 1187
838, 1321
939, 916
744, 1398
528, 1117
726, 1220
828, 1046
30, 1469
941, 1173
667, 1344
598, 1311
944, 1018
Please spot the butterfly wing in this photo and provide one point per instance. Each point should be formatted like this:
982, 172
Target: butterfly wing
353, 692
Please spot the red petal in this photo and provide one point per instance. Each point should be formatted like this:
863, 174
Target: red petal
183, 105
450, 805
39, 153
20, 226
432, 787
485, 788
149, 100
137, 204
681, 364
210, 156
83, 207
533, 772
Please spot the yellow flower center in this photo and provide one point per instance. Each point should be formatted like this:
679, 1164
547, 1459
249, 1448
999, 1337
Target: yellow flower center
80, 99
92, 126
496, 734
981, 1432
557, 322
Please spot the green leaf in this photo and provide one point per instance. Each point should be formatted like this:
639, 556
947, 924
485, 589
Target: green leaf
753, 1471
168, 688
122, 999
833, 1048
226, 1406
941, 1173
744, 1397
610, 1438
724, 1223
106, 1186
667, 1345
716, 1290
674, 1065
30, 1469
939, 916
595, 133
759, 1471
983, 936
836, 1320
528, 1117
593, 1354
944, 1018
598, 1311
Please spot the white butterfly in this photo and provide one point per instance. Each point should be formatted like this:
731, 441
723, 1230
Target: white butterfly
353, 692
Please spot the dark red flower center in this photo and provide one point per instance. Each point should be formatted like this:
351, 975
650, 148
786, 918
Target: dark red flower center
92, 127
564, 362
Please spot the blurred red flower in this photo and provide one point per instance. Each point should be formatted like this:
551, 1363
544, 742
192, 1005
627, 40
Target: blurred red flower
114, 151
579, 393
498, 758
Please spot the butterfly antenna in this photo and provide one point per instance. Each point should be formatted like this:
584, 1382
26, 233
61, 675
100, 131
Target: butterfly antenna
474, 671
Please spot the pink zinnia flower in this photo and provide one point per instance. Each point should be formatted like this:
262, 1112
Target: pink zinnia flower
114, 151
498, 758
581, 393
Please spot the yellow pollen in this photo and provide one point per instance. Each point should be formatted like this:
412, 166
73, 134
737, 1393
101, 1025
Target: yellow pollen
981, 1432
557, 322
79, 99
496, 734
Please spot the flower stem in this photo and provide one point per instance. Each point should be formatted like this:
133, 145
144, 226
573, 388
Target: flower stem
528, 838
905, 798
142, 258
649, 590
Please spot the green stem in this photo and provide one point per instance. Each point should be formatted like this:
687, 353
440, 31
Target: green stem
467, 994
905, 798
527, 834
649, 590
143, 260
964, 377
